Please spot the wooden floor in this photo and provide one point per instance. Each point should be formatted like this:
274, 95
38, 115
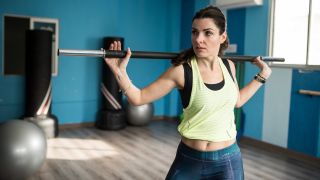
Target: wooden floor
146, 153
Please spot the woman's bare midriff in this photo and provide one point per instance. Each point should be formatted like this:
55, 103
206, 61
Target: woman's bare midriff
202, 145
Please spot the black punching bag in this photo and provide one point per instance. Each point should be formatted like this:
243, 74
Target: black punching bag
112, 116
38, 81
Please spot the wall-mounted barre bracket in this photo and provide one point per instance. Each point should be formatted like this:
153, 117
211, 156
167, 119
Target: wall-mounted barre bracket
151, 55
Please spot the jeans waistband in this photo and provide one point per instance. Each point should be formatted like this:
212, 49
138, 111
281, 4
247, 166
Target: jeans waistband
208, 155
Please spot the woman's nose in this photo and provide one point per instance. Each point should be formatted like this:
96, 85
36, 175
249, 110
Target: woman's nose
199, 38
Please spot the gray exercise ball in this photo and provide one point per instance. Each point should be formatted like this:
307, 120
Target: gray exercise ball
139, 115
23, 149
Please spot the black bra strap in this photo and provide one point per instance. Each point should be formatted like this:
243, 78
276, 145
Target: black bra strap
226, 63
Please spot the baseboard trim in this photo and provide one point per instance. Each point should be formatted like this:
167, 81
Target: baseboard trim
314, 161
75, 125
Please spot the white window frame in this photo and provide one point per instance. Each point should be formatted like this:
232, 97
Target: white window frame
271, 40
33, 21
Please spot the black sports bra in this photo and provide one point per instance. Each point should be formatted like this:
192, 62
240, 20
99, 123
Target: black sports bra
185, 93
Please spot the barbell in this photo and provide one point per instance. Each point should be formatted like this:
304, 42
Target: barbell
151, 55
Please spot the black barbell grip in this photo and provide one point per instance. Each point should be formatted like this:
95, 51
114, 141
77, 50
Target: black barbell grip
251, 58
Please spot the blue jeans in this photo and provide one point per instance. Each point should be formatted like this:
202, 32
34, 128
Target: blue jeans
191, 164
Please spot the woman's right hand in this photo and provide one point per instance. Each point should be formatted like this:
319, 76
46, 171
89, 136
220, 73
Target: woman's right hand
118, 64
265, 70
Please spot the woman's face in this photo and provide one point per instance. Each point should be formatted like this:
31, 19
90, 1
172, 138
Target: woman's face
206, 38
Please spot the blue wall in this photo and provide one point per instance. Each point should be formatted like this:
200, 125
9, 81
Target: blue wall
318, 152
256, 38
304, 113
146, 25
236, 28
187, 9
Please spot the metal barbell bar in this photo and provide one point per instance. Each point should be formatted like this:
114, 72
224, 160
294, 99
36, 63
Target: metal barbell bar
152, 55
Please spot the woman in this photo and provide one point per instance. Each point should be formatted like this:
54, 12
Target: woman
209, 93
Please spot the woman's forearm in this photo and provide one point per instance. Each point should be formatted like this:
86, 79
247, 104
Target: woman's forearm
247, 92
128, 88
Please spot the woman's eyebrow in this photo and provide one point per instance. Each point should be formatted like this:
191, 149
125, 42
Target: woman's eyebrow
203, 29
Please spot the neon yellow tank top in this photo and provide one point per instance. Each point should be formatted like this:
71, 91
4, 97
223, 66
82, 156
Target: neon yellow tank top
209, 115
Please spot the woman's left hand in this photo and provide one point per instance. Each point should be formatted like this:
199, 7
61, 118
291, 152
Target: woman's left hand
265, 70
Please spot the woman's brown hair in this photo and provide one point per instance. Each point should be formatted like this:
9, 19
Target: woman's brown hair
219, 19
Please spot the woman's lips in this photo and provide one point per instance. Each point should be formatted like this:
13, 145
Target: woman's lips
200, 48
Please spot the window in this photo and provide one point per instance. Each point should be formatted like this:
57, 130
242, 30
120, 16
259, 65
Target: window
295, 27
314, 38
15, 27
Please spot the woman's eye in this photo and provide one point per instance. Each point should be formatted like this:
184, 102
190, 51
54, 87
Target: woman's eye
209, 33
194, 32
